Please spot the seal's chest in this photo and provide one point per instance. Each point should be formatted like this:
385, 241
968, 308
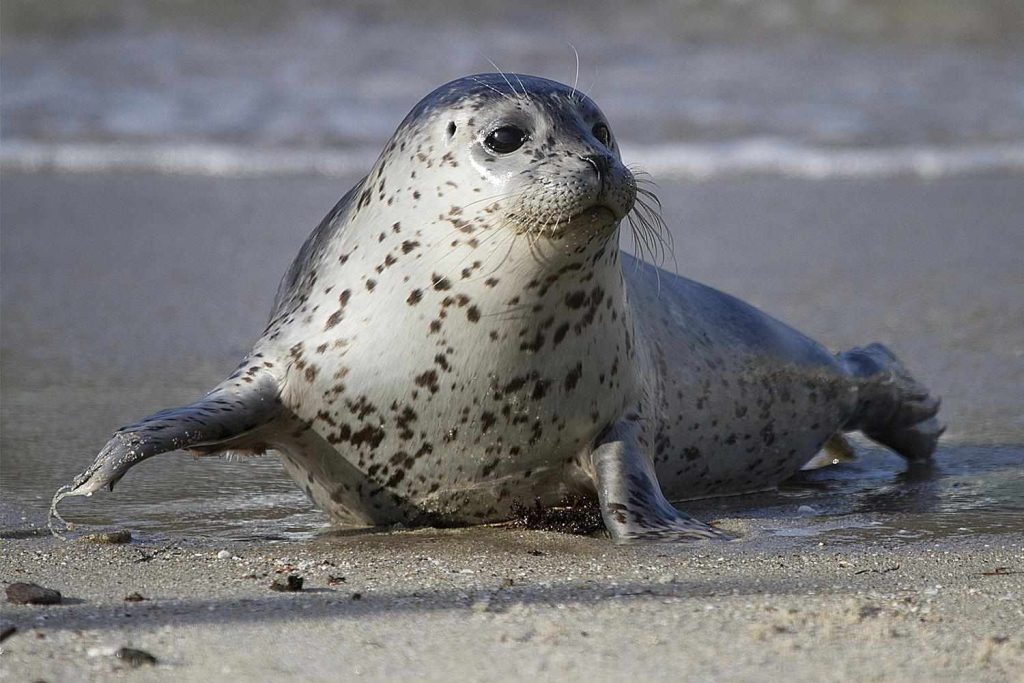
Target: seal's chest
466, 383
465, 408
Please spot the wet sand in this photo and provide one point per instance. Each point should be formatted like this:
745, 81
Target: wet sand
126, 293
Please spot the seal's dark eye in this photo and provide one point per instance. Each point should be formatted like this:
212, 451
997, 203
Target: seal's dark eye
602, 133
505, 139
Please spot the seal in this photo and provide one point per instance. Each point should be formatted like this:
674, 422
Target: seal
462, 334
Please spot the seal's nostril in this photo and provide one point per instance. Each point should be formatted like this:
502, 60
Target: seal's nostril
599, 162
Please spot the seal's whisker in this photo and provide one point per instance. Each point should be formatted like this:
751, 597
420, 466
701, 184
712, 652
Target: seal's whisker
645, 239
526, 94
511, 243
645, 224
497, 241
657, 223
636, 245
493, 234
647, 209
641, 229
648, 194
502, 74
494, 198
576, 75
491, 87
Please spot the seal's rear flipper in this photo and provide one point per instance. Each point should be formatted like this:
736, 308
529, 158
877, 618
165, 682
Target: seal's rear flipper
893, 408
632, 504
223, 419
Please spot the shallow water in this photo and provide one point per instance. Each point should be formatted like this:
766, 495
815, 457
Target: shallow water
966, 490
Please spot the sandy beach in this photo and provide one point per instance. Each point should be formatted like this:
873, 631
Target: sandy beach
494, 605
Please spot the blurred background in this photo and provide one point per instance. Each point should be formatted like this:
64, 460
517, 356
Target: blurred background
854, 168
697, 87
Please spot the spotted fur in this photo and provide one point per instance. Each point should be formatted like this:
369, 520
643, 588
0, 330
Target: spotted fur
461, 335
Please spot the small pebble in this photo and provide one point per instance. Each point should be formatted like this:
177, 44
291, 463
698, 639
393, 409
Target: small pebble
223, 555
32, 594
357, 596
806, 510
133, 657
294, 584
134, 597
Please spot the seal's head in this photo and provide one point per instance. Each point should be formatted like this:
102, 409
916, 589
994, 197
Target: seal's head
539, 156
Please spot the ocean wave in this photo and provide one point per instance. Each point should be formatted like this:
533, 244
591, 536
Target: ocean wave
674, 161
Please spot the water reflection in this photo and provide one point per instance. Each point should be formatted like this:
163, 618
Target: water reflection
966, 490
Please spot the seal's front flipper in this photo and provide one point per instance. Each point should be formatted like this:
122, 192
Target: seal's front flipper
632, 504
893, 408
226, 418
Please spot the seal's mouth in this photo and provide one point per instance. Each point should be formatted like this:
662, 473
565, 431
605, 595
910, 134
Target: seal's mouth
597, 212
596, 217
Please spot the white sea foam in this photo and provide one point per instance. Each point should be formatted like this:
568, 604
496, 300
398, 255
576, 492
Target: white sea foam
674, 161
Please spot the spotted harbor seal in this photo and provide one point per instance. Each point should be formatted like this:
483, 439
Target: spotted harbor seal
462, 334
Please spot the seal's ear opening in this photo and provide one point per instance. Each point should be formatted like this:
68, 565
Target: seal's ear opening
451, 129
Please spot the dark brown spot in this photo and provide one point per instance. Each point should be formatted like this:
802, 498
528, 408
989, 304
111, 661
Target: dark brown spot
334, 319
560, 333
573, 377
575, 299
429, 380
